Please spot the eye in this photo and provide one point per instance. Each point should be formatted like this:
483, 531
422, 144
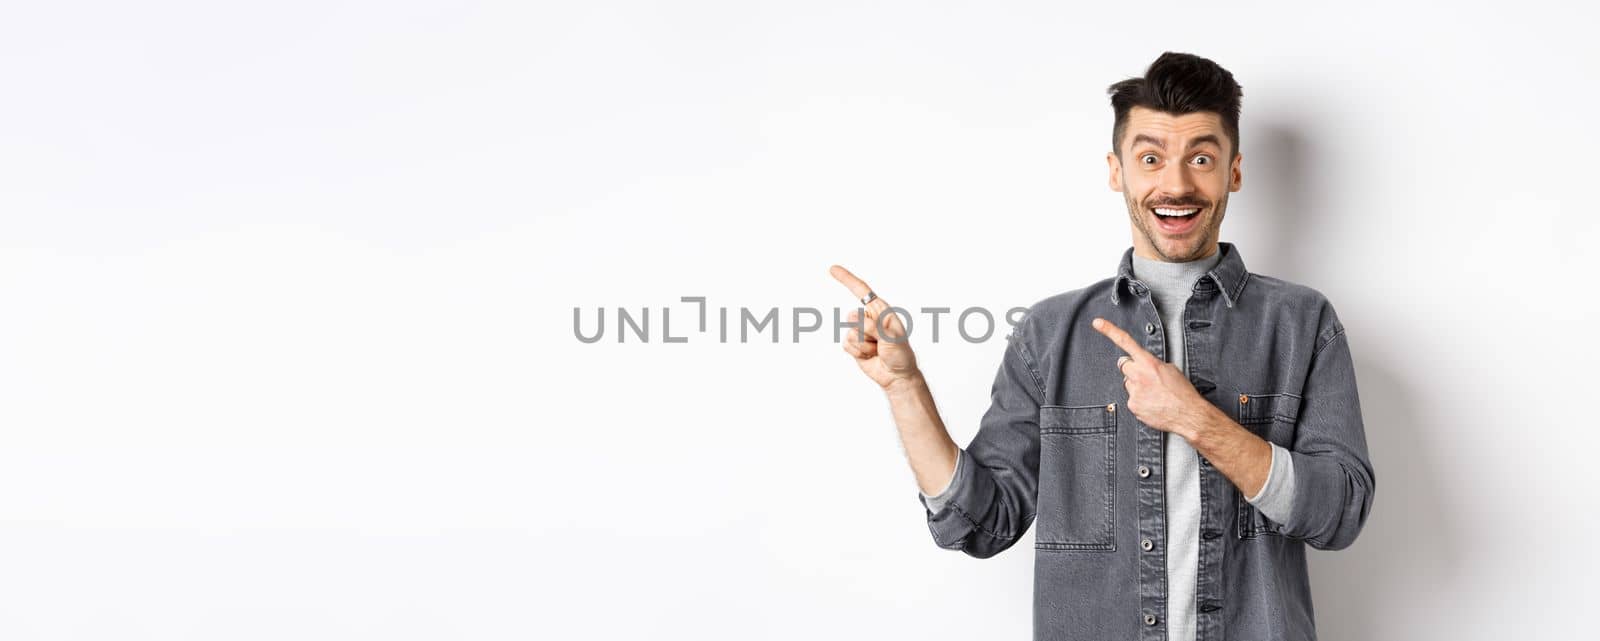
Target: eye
1202, 160
1148, 159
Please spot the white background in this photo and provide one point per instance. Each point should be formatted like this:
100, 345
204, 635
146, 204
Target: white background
286, 346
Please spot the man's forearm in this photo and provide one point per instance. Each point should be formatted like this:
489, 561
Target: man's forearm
931, 451
1244, 458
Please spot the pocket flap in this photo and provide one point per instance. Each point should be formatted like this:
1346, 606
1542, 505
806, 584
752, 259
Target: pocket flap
1077, 419
1265, 408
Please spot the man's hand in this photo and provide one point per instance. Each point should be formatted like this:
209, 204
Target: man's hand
1158, 394
884, 352
1162, 397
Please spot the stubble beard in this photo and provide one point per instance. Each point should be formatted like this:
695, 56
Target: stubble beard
1196, 248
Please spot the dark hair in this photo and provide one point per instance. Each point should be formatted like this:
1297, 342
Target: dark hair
1178, 83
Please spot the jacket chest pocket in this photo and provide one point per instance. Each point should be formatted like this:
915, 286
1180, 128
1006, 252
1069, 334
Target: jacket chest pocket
1077, 461
1271, 417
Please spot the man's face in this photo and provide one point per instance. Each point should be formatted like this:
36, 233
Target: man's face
1175, 165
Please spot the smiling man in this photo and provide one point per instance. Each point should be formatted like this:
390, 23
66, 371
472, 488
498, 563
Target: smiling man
1180, 431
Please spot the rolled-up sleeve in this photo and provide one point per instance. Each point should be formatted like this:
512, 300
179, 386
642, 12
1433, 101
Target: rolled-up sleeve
1334, 480
1276, 498
990, 500
936, 502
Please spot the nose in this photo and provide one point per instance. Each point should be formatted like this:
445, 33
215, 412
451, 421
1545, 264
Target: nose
1175, 180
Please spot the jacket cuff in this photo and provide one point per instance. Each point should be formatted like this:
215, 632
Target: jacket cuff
970, 495
1331, 502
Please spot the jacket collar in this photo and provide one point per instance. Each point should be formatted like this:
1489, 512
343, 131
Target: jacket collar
1228, 275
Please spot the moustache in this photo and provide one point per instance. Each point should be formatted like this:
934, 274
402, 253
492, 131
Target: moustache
1179, 204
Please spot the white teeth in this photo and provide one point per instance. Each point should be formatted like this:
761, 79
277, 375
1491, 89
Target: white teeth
1162, 211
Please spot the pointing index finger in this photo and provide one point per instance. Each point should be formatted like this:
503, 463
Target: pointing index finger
878, 306
1121, 339
856, 285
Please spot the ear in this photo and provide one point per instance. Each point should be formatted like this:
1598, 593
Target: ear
1115, 180
1236, 178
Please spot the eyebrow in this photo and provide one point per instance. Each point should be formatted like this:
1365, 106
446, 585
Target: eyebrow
1195, 142
1200, 140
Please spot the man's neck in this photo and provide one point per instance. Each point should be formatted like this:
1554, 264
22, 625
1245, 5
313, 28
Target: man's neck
1173, 276
1149, 253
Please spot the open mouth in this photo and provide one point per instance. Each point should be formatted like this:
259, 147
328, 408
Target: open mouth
1176, 221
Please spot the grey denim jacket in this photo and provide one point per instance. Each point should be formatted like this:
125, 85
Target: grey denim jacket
1058, 443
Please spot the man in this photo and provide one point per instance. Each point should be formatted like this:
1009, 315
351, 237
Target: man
1181, 430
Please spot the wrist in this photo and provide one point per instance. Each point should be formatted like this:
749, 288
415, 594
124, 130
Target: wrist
1203, 424
907, 385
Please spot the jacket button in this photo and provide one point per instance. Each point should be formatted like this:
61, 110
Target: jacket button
1211, 534
1149, 619
1244, 398
1146, 544
1111, 407
1144, 471
1149, 328
1204, 462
